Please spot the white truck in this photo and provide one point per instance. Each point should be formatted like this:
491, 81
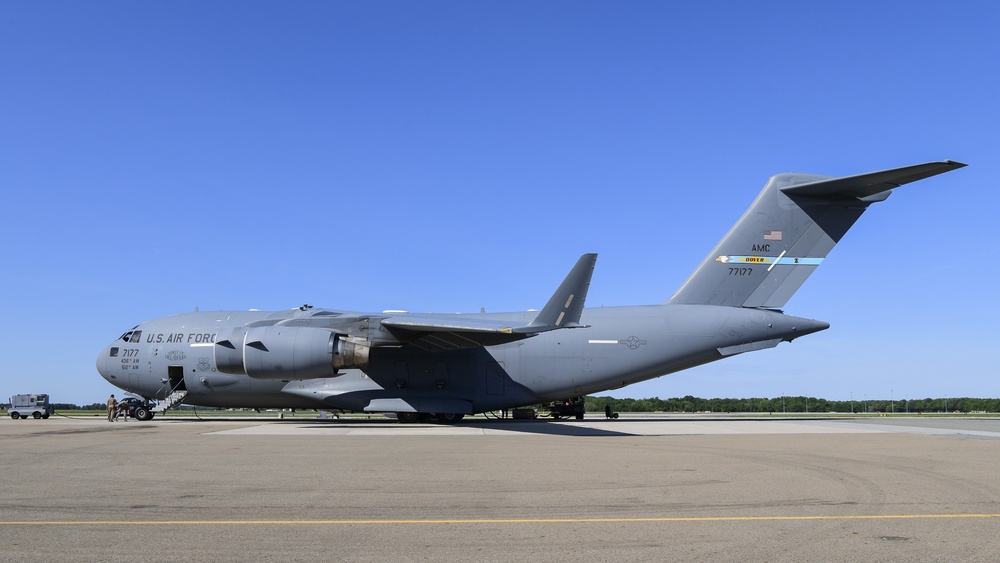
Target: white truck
36, 405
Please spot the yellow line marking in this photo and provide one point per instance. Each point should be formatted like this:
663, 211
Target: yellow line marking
493, 520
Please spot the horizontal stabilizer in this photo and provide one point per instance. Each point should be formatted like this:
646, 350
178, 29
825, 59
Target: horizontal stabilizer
866, 185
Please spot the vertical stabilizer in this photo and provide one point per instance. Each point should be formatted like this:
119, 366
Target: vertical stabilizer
787, 232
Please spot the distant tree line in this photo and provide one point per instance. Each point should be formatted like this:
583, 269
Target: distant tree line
72, 407
793, 404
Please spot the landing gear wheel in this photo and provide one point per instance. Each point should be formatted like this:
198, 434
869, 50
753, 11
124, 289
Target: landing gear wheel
408, 417
143, 414
449, 418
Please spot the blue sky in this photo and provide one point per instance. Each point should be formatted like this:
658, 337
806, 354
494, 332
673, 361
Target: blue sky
448, 156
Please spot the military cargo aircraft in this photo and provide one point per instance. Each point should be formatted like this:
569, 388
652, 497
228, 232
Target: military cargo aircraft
445, 366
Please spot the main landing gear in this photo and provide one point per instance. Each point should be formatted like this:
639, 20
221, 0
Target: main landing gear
443, 418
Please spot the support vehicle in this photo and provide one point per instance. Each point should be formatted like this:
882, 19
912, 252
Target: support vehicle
35, 405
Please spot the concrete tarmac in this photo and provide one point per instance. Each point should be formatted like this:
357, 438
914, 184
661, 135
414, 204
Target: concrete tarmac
699, 488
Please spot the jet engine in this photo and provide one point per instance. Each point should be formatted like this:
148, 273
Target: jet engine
284, 352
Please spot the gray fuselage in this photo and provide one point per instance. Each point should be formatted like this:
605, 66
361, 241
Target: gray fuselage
621, 345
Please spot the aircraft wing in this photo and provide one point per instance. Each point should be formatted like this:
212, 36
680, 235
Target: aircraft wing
455, 332
451, 332
867, 185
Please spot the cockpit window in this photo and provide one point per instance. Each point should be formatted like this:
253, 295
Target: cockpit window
135, 336
127, 337
114, 351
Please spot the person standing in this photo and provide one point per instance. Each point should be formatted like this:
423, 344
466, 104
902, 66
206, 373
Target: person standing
112, 407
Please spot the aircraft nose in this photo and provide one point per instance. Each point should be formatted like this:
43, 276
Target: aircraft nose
102, 363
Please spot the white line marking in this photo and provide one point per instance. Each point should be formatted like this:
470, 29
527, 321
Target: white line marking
776, 260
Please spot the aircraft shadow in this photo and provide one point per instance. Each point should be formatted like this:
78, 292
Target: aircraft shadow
546, 427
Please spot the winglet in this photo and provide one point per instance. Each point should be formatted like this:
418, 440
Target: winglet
566, 305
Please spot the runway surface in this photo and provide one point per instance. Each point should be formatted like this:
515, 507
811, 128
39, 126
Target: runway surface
702, 488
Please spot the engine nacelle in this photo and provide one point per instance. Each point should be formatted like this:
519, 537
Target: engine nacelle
283, 352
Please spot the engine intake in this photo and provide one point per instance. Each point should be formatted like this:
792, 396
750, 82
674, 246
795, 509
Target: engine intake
283, 352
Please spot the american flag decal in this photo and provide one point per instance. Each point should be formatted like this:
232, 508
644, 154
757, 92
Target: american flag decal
772, 235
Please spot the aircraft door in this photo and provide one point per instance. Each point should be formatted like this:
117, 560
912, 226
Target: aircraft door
175, 379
